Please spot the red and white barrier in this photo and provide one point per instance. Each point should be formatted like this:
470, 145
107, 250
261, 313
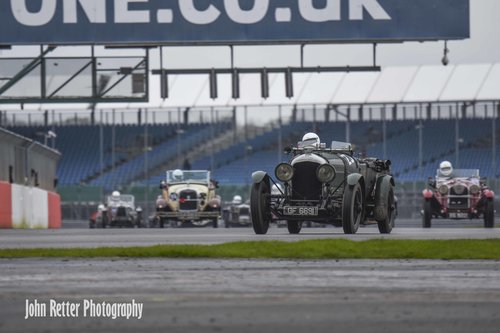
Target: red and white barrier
24, 207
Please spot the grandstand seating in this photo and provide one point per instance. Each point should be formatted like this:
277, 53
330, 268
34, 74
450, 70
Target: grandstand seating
233, 167
80, 160
79, 145
193, 135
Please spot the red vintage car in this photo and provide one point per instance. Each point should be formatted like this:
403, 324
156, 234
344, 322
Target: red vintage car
460, 194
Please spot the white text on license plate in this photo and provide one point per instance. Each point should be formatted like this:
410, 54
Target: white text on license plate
305, 211
459, 215
187, 215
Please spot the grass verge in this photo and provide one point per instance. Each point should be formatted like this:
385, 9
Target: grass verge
307, 249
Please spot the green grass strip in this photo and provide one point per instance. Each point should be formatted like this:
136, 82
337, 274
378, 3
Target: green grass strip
307, 249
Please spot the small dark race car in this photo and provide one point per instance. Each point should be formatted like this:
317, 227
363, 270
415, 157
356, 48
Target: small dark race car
236, 213
458, 194
325, 185
119, 211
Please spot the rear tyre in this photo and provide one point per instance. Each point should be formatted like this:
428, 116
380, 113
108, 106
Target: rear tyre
427, 216
385, 226
489, 214
162, 223
352, 209
259, 206
294, 227
215, 222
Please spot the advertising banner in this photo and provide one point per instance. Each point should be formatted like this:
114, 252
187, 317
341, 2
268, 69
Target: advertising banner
230, 21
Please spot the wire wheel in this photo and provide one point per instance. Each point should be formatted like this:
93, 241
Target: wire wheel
352, 208
385, 226
259, 206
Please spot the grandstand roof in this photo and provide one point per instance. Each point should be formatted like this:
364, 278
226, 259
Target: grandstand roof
409, 84
394, 84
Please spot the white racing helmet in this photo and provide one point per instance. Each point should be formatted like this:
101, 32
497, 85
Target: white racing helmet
311, 140
237, 200
445, 168
115, 194
177, 174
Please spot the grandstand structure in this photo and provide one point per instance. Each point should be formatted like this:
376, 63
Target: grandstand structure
415, 116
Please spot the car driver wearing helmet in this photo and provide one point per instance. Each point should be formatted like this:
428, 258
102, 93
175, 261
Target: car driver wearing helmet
445, 169
237, 200
311, 140
177, 175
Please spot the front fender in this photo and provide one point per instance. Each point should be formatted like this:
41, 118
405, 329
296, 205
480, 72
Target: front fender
427, 194
354, 178
259, 176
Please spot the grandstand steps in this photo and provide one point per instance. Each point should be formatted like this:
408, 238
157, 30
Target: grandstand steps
132, 151
220, 142
478, 144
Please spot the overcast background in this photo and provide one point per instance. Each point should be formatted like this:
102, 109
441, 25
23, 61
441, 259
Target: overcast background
482, 47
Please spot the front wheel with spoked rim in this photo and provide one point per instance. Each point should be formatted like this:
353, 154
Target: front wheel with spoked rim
385, 226
260, 207
352, 208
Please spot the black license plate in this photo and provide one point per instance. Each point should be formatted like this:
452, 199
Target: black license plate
301, 211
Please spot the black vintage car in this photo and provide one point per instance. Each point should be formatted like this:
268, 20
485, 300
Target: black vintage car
325, 185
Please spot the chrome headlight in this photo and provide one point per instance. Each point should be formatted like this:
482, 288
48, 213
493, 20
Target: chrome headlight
474, 189
459, 189
284, 172
325, 173
443, 189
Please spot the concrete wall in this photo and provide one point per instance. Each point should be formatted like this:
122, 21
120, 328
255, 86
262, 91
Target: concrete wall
23, 207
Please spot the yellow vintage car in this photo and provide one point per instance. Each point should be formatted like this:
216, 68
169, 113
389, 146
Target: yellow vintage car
188, 199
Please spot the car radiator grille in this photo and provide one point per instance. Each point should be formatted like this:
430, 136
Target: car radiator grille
121, 212
459, 203
305, 184
188, 200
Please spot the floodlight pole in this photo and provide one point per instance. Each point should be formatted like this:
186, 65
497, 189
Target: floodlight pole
101, 152
212, 140
146, 162
179, 138
457, 137
348, 125
384, 134
494, 139
280, 138
113, 142
420, 148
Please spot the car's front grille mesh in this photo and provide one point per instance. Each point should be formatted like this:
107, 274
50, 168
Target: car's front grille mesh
121, 212
459, 203
305, 184
188, 200
244, 211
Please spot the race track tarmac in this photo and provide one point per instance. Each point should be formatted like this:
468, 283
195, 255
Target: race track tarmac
181, 295
83, 237
258, 295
